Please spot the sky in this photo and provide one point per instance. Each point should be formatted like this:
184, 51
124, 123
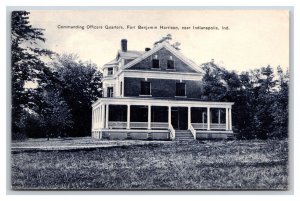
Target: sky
250, 38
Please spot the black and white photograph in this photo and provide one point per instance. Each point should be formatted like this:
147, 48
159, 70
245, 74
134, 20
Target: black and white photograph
150, 99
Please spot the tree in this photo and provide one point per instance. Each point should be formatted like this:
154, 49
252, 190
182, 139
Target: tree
27, 65
80, 85
56, 118
260, 107
213, 85
60, 101
264, 98
279, 109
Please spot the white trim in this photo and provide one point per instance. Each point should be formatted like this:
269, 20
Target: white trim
134, 130
161, 102
166, 75
108, 78
140, 95
213, 131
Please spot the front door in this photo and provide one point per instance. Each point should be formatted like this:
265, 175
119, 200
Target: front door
179, 118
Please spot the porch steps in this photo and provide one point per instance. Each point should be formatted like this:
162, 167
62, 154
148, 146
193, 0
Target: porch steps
183, 135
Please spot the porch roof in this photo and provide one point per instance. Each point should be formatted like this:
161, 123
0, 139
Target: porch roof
175, 102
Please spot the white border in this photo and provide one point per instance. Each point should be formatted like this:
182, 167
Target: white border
257, 195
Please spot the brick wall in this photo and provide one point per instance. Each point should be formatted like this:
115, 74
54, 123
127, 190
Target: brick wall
161, 88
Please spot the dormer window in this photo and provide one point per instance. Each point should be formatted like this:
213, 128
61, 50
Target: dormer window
170, 63
110, 71
155, 62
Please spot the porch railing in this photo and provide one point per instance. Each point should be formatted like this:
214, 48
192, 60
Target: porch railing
193, 131
161, 125
139, 125
144, 125
117, 124
215, 126
198, 126
172, 132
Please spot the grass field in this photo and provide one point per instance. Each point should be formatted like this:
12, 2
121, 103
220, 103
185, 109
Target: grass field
169, 165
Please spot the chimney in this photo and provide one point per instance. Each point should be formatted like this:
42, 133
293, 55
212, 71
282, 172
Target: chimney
147, 49
124, 45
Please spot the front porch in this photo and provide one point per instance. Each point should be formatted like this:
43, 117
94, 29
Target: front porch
147, 118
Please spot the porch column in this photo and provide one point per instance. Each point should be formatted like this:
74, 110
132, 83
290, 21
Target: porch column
106, 116
100, 119
203, 120
208, 118
97, 118
219, 116
230, 119
189, 116
149, 116
227, 123
102, 116
169, 115
128, 116
93, 120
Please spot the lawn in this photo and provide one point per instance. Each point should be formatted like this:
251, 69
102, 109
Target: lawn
157, 165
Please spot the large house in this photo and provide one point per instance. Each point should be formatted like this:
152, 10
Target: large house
156, 94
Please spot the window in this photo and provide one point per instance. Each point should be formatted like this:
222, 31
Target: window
110, 91
121, 88
110, 71
145, 88
180, 89
170, 64
155, 62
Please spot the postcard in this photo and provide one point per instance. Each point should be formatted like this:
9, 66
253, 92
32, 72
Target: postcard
168, 99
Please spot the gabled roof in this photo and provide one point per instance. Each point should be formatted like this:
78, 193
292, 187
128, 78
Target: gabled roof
166, 45
112, 62
130, 54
